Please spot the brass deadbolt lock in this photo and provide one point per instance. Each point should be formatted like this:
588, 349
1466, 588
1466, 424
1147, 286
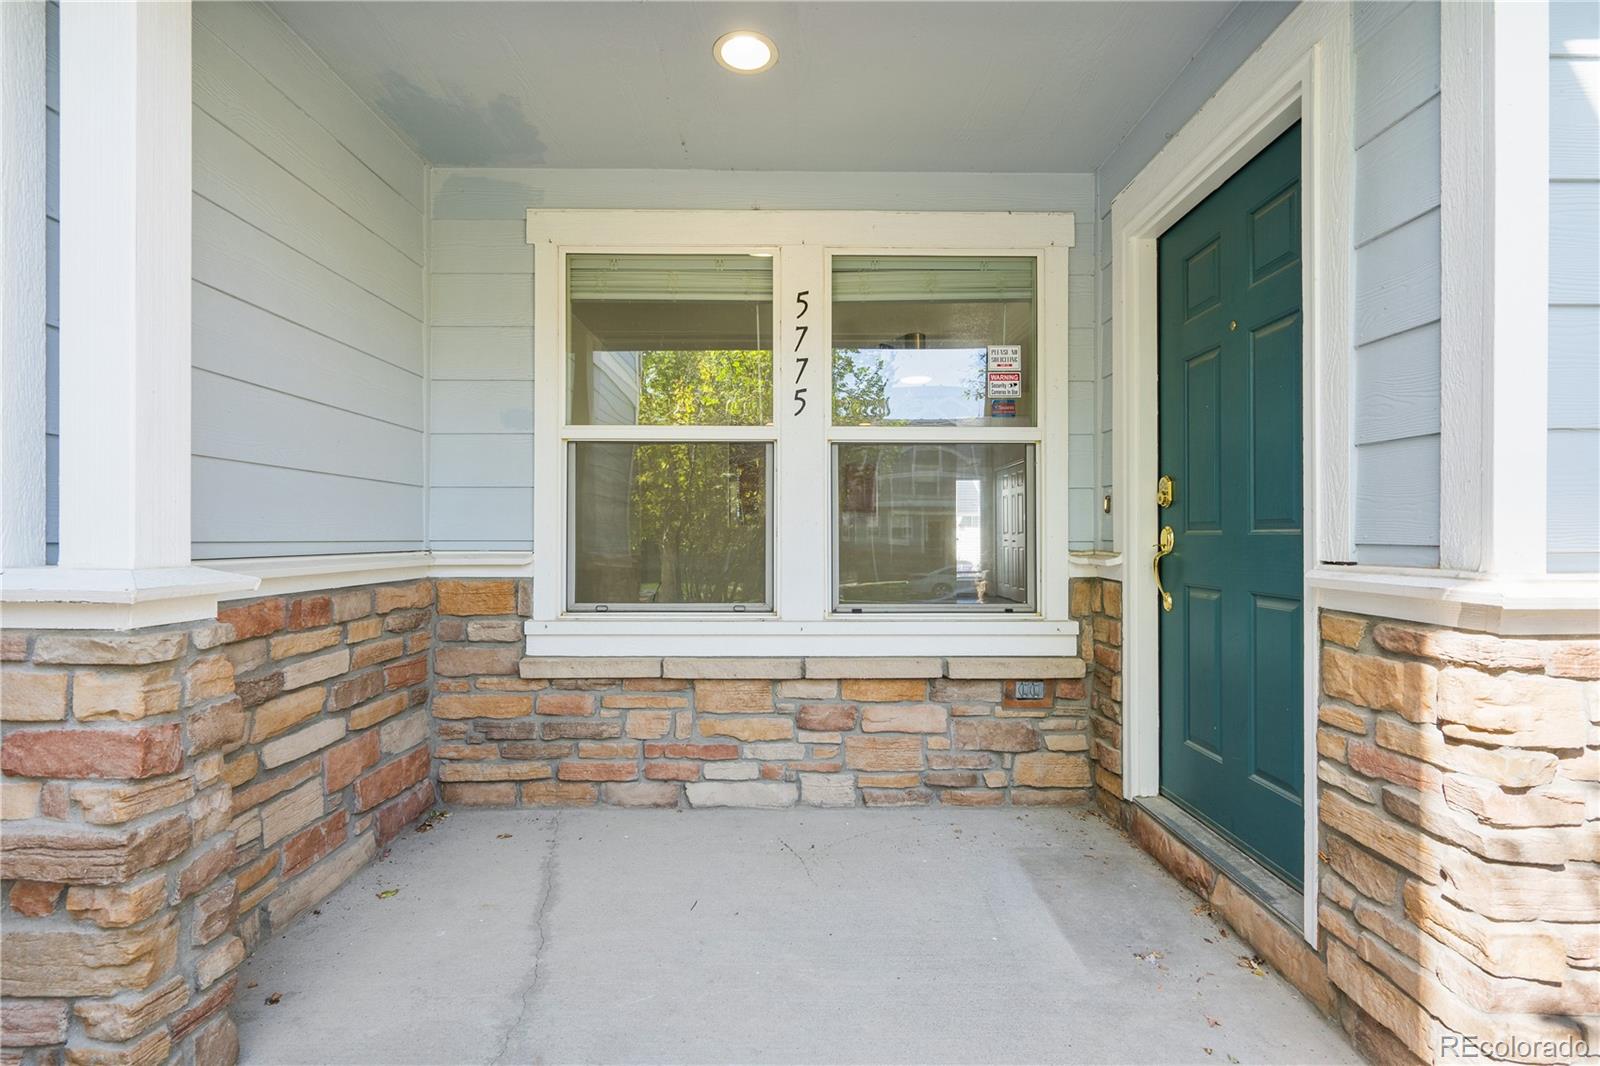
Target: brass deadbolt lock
1164, 490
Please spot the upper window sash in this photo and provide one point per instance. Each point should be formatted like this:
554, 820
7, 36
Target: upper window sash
934, 340
668, 340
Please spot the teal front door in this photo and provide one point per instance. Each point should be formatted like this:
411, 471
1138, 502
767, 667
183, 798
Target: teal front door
1230, 412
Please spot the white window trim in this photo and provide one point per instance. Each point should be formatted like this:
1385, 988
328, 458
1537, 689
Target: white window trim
1300, 73
802, 621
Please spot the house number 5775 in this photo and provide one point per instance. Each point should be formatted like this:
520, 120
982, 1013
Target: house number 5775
801, 361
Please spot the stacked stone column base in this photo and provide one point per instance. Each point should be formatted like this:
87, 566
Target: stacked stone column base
171, 796
1458, 880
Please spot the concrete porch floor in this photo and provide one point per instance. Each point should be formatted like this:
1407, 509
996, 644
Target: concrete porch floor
796, 936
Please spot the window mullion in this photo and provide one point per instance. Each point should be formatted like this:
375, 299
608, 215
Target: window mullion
802, 510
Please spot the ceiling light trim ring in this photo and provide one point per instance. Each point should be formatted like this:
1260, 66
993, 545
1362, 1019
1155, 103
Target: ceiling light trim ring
750, 43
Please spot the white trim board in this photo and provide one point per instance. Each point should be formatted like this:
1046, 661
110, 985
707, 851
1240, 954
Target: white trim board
56, 597
1494, 281
53, 597
292, 575
1557, 605
1301, 73
801, 619
22, 284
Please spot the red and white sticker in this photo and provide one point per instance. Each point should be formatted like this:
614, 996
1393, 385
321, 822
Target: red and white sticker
1005, 384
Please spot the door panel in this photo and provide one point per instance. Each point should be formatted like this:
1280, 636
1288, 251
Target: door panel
1230, 424
1203, 442
1202, 722
1014, 532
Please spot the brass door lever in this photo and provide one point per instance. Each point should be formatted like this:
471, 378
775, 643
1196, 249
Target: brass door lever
1163, 550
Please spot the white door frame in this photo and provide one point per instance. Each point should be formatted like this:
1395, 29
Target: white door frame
1301, 73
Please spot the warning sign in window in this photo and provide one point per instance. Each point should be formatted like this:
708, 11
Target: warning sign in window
1005, 384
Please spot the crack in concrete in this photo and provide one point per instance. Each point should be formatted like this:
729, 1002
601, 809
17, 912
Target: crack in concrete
801, 860
530, 987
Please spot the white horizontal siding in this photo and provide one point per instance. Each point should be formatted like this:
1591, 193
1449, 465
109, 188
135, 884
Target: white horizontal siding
236, 339
1083, 452
234, 256
1397, 281
237, 177
311, 436
480, 518
307, 508
1396, 64
268, 45
1395, 183
1575, 243
1574, 144
481, 300
487, 353
480, 392
481, 460
1573, 539
483, 407
1395, 387
1574, 369
1397, 495
479, 246
309, 386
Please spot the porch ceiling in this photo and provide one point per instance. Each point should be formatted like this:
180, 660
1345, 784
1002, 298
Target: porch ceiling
916, 86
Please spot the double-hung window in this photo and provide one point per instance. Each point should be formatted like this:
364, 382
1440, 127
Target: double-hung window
800, 432
669, 431
934, 440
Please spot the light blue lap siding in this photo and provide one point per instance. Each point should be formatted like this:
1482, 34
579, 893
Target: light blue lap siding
1396, 285
308, 349
1573, 540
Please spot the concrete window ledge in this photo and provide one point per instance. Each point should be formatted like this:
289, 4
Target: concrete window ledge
1002, 668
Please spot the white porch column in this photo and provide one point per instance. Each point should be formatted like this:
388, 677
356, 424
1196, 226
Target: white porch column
125, 275
1495, 248
22, 284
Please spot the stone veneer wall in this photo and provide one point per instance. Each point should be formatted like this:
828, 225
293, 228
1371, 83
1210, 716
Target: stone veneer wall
171, 796
1459, 777
516, 731
1097, 606
1459, 796
715, 741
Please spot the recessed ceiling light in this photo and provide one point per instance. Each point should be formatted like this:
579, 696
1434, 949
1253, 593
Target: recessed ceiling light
746, 52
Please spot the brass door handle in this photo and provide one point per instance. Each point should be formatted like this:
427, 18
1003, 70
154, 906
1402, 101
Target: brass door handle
1163, 550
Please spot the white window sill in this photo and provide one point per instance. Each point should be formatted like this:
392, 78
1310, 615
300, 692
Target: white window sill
818, 667
870, 636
